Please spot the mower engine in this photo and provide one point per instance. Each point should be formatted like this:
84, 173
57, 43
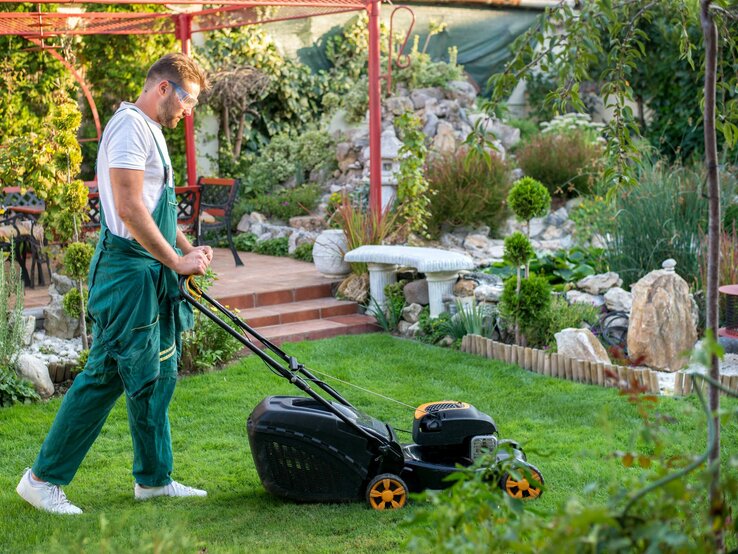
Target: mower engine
450, 430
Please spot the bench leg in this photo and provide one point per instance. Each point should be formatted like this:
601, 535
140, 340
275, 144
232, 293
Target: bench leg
231, 245
440, 284
380, 275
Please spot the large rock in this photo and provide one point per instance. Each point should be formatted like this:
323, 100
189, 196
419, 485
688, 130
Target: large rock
581, 344
251, 220
462, 91
421, 95
597, 284
464, 288
31, 368
488, 293
57, 323
578, 297
661, 327
398, 105
308, 222
416, 292
300, 237
411, 313
619, 300
61, 283
445, 139
355, 287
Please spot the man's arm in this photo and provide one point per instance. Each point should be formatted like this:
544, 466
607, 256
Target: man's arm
127, 185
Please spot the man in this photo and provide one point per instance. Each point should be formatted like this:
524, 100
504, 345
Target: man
134, 302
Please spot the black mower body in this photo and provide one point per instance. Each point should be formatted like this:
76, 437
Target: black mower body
305, 452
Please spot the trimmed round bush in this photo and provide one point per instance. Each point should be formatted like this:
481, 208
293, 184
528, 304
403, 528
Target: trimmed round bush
77, 258
528, 198
517, 249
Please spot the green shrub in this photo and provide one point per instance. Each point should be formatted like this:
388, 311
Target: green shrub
207, 345
273, 247
661, 218
592, 216
286, 203
72, 303
14, 389
432, 329
470, 319
77, 258
567, 164
517, 250
528, 198
467, 191
560, 315
245, 242
423, 72
389, 317
527, 307
304, 252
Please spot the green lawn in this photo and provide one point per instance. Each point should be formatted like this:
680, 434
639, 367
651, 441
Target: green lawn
568, 431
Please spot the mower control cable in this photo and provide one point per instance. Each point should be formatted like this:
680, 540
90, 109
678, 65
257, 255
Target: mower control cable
369, 391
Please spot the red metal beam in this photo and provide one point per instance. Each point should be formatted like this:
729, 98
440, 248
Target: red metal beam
375, 112
184, 34
357, 4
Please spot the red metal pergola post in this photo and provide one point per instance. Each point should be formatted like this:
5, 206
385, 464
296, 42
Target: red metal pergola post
184, 34
375, 111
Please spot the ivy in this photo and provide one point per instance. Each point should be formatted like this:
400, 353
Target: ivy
413, 188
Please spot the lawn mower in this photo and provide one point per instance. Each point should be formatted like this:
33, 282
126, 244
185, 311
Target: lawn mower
317, 449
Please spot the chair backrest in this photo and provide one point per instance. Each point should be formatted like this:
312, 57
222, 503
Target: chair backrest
218, 193
188, 206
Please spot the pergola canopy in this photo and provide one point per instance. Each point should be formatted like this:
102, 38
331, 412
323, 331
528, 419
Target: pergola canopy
73, 19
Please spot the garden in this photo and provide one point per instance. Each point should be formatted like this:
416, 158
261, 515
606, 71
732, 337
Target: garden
595, 226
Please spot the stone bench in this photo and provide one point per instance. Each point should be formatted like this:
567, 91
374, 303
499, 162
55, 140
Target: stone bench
440, 267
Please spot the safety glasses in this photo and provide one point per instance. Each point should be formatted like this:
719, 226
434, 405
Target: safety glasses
185, 98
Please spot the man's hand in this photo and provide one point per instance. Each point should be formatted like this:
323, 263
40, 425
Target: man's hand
206, 250
193, 263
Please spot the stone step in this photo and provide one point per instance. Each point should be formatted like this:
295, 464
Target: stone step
245, 301
314, 329
293, 312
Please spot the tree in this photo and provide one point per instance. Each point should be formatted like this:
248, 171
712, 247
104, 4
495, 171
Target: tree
567, 42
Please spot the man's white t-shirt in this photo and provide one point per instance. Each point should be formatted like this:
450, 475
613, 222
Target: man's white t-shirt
128, 143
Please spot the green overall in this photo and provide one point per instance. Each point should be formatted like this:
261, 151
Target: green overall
138, 316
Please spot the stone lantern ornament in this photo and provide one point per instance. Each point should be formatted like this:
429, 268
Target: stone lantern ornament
390, 166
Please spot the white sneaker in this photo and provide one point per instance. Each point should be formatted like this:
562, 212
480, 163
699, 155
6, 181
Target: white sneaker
172, 489
45, 496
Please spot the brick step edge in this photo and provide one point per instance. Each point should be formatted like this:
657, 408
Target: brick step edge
294, 312
246, 301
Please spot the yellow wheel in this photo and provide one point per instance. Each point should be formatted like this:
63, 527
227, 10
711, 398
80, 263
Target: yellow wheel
527, 487
386, 492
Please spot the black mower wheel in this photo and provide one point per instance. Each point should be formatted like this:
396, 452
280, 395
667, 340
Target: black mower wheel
521, 488
386, 491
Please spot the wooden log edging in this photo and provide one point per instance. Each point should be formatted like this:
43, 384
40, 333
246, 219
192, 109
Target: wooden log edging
553, 364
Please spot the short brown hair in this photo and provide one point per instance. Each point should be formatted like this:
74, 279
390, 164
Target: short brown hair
178, 67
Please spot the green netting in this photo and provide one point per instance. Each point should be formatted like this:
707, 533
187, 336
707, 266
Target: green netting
482, 35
